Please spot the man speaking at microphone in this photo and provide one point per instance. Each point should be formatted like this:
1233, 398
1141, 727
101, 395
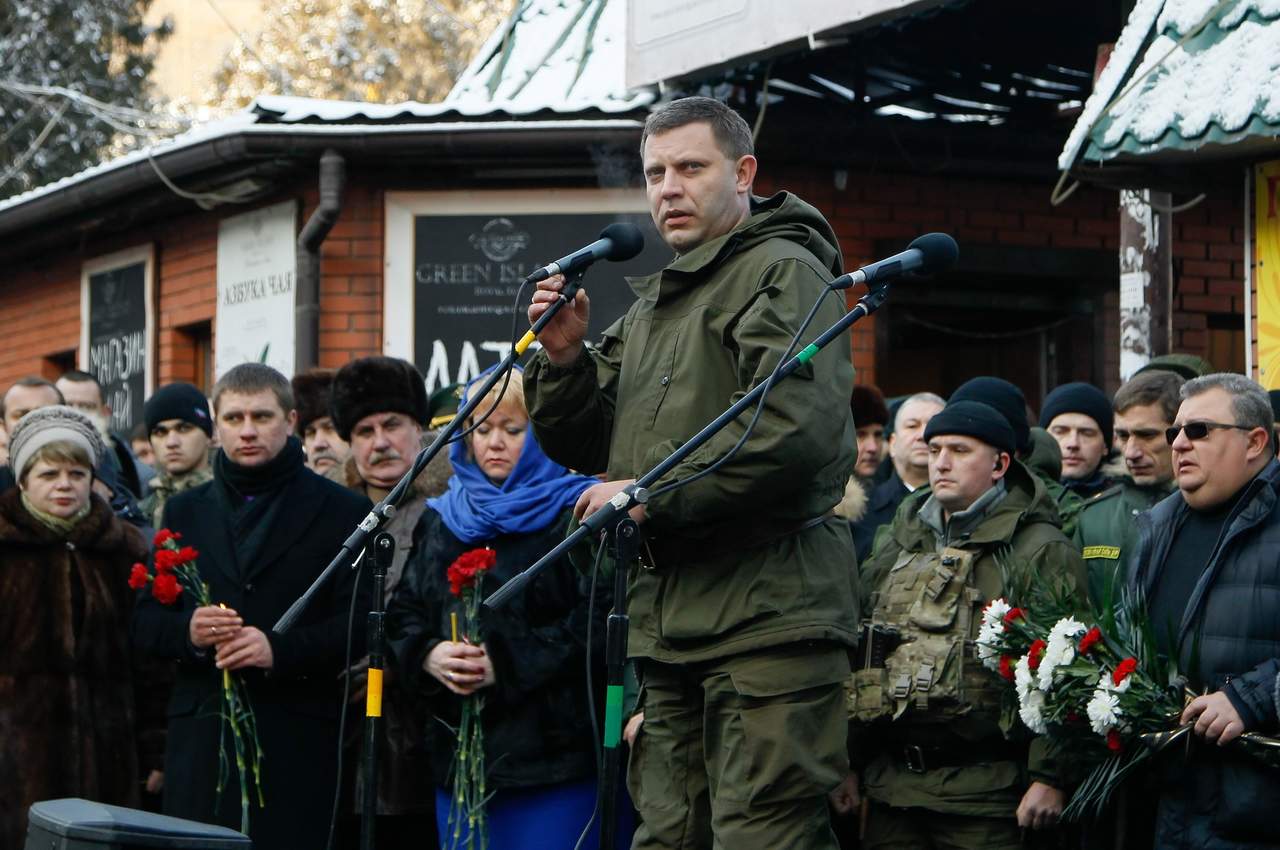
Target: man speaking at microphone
745, 601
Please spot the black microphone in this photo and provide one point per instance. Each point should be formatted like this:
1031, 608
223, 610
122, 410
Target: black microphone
931, 253
619, 241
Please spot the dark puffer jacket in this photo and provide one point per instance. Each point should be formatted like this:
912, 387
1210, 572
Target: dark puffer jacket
1220, 798
537, 729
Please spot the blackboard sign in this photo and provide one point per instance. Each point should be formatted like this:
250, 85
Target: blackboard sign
467, 269
117, 340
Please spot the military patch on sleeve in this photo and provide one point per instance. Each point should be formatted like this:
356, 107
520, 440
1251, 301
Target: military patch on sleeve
1111, 553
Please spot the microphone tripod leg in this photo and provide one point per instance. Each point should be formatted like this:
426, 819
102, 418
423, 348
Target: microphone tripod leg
625, 540
384, 549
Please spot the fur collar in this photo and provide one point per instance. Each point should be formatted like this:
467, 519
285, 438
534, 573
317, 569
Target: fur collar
99, 531
854, 503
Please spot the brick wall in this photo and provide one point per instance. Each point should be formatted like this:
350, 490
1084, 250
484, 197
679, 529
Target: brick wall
39, 300
1207, 249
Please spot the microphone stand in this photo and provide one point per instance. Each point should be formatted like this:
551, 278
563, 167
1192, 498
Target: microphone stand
613, 518
386, 509
384, 549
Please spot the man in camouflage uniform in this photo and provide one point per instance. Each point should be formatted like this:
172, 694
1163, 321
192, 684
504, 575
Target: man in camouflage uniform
180, 429
1145, 406
936, 763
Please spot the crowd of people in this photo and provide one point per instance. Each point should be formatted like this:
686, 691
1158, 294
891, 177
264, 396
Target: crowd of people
802, 619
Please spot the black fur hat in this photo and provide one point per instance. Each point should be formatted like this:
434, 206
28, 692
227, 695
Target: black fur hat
311, 396
377, 385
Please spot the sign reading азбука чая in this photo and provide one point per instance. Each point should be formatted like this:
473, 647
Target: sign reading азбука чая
257, 291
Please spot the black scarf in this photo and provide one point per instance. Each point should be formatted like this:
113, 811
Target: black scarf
247, 481
249, 493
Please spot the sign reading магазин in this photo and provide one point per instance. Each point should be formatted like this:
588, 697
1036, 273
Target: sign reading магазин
257, 293
467, 269
117, 340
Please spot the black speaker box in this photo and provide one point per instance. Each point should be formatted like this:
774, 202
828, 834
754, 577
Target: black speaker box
75, 824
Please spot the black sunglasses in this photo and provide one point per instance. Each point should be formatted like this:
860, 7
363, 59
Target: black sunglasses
1199, 430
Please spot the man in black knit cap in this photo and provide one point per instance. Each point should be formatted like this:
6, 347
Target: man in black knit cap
180, 429
1079, 417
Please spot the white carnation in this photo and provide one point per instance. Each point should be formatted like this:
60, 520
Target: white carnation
1059, 651
994, 613
990, 633
1103, 710
1022, 679
1031, 711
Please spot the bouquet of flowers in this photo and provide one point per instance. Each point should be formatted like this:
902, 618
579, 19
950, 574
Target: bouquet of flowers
1103, 692
175, 572
466, 805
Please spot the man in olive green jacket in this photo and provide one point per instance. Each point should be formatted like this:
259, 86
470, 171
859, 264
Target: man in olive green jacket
1106, 533
746, 603
929, 736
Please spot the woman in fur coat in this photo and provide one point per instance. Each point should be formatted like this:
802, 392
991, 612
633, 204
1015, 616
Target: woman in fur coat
66, 692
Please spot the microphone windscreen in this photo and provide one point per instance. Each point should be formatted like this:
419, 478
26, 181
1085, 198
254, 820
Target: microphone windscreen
627, 241
939, 252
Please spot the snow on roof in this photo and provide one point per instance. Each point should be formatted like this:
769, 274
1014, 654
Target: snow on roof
1210, 72
560, 54
1127, 48
246, 123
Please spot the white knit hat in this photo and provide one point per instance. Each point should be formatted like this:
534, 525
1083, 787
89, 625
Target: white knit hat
46, 425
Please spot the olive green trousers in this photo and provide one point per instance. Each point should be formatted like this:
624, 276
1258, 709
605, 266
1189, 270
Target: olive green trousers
740, 753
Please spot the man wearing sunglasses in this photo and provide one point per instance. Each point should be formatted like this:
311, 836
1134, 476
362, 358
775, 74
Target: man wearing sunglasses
1208, 562
1144, 407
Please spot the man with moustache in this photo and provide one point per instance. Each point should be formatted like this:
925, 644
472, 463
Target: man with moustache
264, 527
910, 455
1208, 564
743, 614
1106, 532
1079, 417
379, 408
325, 448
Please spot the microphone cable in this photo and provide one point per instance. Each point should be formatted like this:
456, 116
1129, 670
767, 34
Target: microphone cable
769, 383
346, 696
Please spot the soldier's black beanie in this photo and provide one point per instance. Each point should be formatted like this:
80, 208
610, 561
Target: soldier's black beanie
377, 385
1079, 398
973, 419
1006, 398
178, 401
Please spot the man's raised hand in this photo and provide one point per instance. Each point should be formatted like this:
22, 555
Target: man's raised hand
563, 335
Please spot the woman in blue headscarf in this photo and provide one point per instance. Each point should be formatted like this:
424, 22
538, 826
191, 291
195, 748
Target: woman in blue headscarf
530, 659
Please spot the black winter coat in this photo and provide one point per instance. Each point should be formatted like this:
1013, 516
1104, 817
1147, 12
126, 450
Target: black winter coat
297, 702
1221, 798
537, 728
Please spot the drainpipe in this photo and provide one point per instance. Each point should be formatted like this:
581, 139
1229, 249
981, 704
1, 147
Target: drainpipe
333, 178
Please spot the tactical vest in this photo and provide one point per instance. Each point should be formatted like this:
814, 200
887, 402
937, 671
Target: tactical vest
933, 675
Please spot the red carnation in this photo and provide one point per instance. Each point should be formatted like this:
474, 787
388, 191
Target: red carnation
1036, 653
1006, 667
465, 571
1090, 638
1014, 614
187, 554
138, 577
163, 536
166, 588
167, 560
1113, 741
1123, 669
